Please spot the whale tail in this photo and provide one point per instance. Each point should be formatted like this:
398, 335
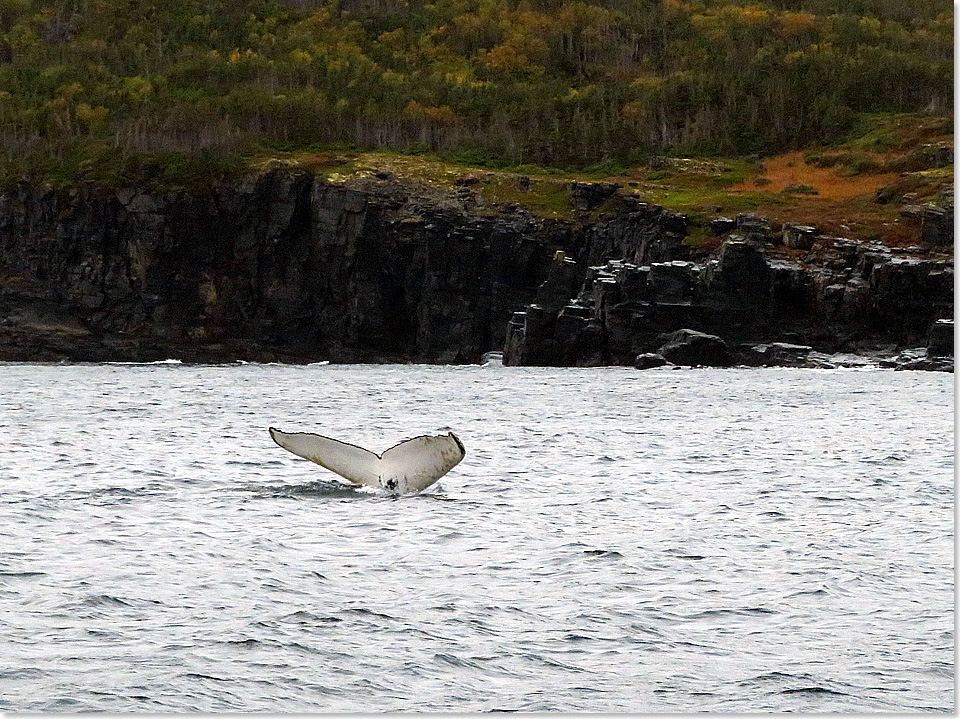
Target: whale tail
411, 466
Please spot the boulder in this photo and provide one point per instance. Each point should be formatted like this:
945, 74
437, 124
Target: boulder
748, 354
936, 222
749, 221
919, 359
649, 360
722, 225
841, 359
799, 237
941, 154
938, 226
674, 223
754, 227
784, 354
692, 348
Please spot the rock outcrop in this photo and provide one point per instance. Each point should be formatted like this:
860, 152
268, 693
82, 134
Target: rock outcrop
934, 221
940, 339
695, 349
282, 266
919, 359
841, 296
649, 360
285, 266
937, 356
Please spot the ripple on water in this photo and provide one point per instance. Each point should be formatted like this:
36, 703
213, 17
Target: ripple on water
705, 541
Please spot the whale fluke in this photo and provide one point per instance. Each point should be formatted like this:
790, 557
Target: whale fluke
411, 466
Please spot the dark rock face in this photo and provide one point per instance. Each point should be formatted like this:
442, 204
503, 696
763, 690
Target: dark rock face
563, 326
844, 296
279, 267
588, 196
286, 267
936, 222
940, 342
695, 349
741, 274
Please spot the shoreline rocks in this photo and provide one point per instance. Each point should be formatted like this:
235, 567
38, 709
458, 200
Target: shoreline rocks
919, 359
845, 297
287, 267
649, 360
695, 349
940, 340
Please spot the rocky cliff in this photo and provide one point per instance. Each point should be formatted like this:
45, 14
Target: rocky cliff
831, 293
285, 266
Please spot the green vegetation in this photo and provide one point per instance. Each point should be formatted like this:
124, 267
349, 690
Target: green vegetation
101, 90
799, 190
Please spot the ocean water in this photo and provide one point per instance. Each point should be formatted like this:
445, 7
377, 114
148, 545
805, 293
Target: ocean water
669, 540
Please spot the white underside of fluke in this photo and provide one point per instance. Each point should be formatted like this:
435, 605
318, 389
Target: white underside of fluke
411, 466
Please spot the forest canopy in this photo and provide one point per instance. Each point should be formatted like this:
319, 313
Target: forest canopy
560, 82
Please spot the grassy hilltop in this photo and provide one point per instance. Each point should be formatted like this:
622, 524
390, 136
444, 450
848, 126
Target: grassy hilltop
852, 187
100, 89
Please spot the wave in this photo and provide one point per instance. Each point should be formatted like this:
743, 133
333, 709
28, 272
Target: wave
146, 364
317, 488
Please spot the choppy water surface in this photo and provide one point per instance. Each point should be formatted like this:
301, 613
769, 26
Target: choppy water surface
735, 540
